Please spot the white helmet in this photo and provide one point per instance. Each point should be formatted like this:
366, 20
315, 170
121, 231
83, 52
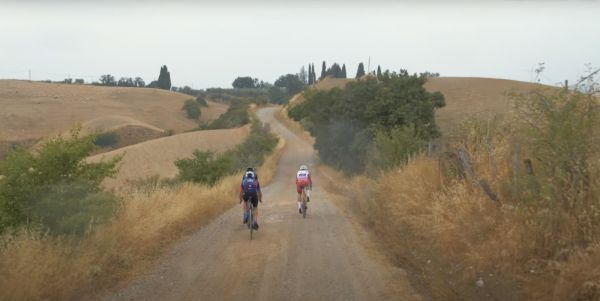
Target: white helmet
303, 167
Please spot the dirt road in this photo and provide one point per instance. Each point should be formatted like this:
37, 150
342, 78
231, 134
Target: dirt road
323, 257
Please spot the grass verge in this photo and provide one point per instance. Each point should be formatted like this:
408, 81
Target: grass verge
34, 266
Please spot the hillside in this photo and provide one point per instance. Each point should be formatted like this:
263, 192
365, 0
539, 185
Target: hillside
157, 157
472, 96
33, 110
465, 96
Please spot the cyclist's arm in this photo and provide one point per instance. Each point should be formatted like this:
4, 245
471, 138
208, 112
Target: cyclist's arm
310, 180
241, 193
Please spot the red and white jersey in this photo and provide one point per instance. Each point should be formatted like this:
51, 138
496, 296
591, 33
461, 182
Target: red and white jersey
303, 177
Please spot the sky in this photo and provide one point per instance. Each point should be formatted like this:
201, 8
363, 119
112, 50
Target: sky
208, 44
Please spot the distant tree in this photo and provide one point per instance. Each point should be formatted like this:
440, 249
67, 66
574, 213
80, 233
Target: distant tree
164, 78
323, 71
107, 80
139, 82
290, 82
125, 82
245, 82
67, 81
344, 75
186, 90
79, 81
335, 71
310, 82
379, 74
152, 84
303, 76
361, 70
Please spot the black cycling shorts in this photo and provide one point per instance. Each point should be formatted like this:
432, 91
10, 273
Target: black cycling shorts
252, 197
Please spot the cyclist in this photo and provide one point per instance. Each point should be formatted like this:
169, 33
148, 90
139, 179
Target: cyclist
250, 191
303, 180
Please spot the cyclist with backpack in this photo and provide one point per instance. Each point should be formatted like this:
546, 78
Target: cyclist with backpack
250, 191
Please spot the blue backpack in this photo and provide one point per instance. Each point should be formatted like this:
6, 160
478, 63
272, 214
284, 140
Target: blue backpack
249, 186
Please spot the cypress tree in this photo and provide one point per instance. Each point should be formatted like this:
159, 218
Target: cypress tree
379, 75
361, 71
310, 74
323, 71
164, 78
344, 71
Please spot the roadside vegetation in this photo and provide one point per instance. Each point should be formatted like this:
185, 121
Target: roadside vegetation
54, 189
207, 167
509, 210
65, 258
368, 124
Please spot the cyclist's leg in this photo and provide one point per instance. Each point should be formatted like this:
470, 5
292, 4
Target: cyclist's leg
299, 190
255, 212
245, 209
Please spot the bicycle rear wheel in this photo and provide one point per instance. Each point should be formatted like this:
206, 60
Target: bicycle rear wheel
251, 221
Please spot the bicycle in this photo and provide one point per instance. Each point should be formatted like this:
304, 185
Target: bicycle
251, 218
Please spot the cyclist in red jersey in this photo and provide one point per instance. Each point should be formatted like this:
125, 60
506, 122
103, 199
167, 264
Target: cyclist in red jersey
303, 180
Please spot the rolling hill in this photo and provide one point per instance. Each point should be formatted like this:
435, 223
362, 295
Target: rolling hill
34, 110
157, 157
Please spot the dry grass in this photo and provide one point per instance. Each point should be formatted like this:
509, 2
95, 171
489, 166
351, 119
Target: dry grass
447, 232
295, 127
37, 267
483, 98
32, 111
157, 157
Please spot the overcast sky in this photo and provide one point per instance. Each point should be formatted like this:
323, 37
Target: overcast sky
208, 44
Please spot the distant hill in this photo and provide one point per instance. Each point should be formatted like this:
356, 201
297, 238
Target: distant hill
157, 157
31, 111
483, 98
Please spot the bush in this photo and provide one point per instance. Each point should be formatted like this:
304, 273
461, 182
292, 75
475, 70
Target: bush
106, 139
56, 174
191, 108
206, 167
345, 122
71, 208
235, 116
201, 101
395, 147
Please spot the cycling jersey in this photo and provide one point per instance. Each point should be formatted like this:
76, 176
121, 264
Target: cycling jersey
303, 180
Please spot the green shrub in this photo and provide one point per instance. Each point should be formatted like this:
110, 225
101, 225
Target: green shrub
31, 181
345, 121
206, 167
106, 139
235, 116
201, 101
191, 108
394, 147
70, 208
